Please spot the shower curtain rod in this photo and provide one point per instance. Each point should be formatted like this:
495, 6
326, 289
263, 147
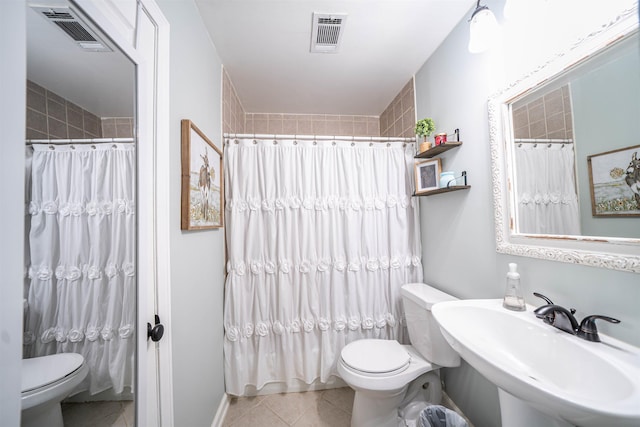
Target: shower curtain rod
317, 137
78, 141
543, 140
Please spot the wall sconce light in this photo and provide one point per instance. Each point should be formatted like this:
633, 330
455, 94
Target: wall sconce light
483, 29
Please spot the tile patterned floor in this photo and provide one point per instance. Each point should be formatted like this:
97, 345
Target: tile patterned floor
99, 414
326, 408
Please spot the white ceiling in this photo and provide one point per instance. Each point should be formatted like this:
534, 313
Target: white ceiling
264, 46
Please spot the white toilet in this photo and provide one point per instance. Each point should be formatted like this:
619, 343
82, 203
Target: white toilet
46, 381
387, 375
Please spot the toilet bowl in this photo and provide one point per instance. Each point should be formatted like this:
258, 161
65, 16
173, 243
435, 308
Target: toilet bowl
46, 381
387, 375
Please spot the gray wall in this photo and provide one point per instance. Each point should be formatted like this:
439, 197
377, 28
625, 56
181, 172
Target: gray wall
197, 257
458, 243
606, 116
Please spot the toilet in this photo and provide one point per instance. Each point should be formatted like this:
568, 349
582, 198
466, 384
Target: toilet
46, 381
394, 381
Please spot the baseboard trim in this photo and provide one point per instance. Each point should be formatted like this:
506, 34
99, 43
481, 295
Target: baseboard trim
223, 407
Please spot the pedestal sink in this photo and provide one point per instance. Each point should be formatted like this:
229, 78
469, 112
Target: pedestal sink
546, 377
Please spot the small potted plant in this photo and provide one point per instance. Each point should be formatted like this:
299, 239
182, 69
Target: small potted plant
425, 128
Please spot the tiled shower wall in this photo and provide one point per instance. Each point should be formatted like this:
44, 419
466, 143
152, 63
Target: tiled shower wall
50, 116
548, 117
399, 118
233, 120
117, 127
312, 124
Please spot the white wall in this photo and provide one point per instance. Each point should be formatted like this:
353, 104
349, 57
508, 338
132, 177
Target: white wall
197, 257
459, 254
12, 122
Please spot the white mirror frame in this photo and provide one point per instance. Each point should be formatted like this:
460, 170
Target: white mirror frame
604, 252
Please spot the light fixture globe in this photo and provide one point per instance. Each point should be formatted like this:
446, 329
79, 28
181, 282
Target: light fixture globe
483, 29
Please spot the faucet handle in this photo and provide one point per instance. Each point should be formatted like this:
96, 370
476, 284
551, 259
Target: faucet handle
548, 317
539, 295
588, 329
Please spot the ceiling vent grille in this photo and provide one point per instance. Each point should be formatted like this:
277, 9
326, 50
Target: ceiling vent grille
326, 34
69, 22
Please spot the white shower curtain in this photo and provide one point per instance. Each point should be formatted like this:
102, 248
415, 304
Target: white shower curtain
321, 236
81, 285
546, 189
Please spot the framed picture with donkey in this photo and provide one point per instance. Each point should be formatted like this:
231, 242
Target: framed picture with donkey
614, 182
202, 184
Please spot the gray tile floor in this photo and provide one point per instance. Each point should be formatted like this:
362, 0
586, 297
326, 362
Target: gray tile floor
326, 408
99, 414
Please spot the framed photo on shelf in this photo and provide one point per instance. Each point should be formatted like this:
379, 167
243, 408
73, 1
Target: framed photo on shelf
427, 174
201, 204
614, 182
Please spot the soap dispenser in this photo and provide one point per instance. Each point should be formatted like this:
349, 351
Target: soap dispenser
513, 299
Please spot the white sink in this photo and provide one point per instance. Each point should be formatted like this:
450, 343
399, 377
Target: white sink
569, 380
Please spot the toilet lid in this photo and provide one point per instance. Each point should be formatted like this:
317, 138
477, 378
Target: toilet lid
38, 372
376, 356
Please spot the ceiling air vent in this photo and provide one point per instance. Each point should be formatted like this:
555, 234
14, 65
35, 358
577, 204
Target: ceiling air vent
326, 34
68, 21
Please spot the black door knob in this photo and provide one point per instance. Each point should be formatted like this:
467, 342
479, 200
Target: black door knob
155, 332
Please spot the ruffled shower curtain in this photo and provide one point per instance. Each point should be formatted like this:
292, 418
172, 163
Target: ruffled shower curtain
321, 236
81, 280
546, 189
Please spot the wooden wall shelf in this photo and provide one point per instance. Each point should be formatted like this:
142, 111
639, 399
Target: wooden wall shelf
443, 190
434, 151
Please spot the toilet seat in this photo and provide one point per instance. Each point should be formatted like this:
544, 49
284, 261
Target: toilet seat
41, 372
375, 357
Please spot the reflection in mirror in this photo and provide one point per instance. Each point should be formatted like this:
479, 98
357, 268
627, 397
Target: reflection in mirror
546, 193
553, 194
80, 245
563, 143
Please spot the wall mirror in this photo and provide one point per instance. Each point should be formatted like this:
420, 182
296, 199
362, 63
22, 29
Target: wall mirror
82, 165
565, 150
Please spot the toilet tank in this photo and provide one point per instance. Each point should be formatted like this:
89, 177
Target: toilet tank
424, 332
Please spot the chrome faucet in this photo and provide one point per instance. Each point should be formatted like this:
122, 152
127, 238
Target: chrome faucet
563, 319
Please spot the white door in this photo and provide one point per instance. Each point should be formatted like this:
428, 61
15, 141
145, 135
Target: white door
142, 33
155, 402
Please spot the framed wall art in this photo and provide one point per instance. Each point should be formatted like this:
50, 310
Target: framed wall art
202, 183
614, 182
427, 174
